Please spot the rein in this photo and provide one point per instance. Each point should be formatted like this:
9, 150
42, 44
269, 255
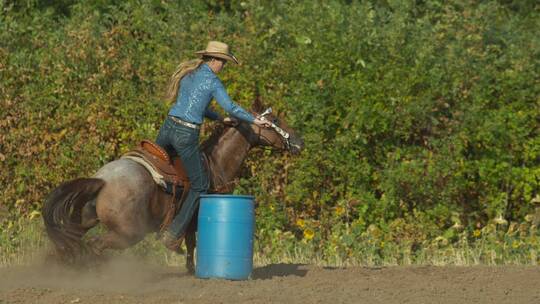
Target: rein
218, 181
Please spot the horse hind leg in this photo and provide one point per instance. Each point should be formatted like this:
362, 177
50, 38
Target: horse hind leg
89, 217
122, 206
113, 240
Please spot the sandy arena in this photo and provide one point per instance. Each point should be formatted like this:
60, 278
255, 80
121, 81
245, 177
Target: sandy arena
136, 282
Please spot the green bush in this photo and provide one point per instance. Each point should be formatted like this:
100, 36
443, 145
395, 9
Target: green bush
418, 116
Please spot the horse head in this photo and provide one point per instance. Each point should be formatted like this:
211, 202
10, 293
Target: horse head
279, 136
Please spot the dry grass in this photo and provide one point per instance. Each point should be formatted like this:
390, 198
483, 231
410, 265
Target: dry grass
27, 242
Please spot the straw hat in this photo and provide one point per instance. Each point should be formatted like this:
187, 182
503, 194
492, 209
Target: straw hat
219, 50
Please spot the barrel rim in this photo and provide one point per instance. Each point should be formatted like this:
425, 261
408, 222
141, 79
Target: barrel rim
226, 196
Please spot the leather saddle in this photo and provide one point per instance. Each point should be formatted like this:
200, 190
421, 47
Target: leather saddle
170, 170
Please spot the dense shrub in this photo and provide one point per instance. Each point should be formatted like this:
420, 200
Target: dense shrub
421, 118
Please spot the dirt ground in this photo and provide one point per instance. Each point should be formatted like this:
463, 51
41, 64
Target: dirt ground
137, 282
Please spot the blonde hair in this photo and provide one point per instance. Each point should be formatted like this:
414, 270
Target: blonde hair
183, 69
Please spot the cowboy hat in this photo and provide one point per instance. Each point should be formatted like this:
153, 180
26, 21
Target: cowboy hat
219, 50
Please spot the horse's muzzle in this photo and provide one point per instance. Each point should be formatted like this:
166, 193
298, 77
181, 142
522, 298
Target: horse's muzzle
296, 145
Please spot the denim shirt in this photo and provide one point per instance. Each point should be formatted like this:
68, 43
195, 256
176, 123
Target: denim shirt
195, 93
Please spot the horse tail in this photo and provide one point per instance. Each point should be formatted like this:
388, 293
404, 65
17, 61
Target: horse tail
62, 215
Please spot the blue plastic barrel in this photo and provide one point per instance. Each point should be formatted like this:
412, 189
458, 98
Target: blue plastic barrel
225, 237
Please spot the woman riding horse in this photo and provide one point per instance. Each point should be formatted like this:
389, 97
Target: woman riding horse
122, 195
192, 87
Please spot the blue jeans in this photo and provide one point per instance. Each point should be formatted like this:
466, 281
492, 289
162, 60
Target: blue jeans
180, 140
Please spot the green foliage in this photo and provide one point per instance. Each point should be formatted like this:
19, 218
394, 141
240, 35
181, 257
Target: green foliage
421, 118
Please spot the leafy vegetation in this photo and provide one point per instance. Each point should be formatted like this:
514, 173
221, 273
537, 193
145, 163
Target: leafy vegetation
421, 118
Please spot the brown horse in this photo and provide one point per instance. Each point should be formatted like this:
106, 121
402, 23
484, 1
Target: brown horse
123, 196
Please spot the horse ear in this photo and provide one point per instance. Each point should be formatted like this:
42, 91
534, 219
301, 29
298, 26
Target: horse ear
257, 105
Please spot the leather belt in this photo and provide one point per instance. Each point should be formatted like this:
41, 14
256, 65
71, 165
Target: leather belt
185, 123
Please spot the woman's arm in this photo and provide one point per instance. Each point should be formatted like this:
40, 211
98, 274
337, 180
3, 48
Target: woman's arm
228, 105
211, 114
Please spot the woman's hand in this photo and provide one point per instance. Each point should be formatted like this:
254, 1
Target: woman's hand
230, 121
262, 123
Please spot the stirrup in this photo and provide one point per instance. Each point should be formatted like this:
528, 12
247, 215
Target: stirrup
172, 243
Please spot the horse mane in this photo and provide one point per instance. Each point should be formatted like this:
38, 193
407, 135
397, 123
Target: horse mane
215, 134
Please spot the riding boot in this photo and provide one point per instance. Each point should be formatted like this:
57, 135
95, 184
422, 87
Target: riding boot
171, 242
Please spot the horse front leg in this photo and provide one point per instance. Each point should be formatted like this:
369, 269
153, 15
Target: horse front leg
190, 245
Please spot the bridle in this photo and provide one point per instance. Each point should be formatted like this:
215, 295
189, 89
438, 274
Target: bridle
219, 186
285, 136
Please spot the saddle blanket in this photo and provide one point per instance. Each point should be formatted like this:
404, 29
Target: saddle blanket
158, 178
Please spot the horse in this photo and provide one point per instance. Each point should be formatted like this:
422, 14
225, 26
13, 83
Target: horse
123, 196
